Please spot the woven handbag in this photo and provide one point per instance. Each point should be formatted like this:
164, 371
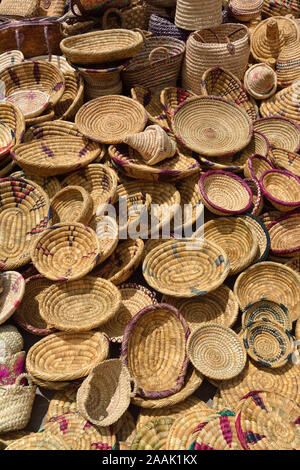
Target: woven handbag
131, 17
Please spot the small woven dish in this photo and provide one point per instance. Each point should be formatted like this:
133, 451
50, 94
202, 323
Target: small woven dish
172, 97
183, 268
166, 369
219, 306
236, 239
28, 314
31, 102
13, 285
262, 235
72, 204
266, 310
105, 394
37, 441
224, 193
216, 351
281, 188
133, 299
25, 213
272, 281
268, 421
66, 356
66, 252
256, 165
153, 106
79, 305
280, 132
285, 235
109, 119
50, 185
212, 126
218, 433
153, 436
102, 46
9, 58
285, 160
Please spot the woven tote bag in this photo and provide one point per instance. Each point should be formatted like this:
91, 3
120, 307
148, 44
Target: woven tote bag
51, 7
132, 17
19, 8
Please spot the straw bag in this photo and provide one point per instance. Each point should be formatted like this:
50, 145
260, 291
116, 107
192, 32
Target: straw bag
95, 7
194, 15
132, 17
17, 8
51, 8
227, 46
16, 403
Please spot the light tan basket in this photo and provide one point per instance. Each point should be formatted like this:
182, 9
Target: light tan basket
194, 15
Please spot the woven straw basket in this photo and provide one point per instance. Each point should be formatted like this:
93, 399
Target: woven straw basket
256, 165
168, 367
153, 106
16, 403
212, 435
9, 58
63, 402
280, 132
284, 234
101, 81
266, 310
153, 436
245, 10
163, 26
50, 185
181, 435
286, 160
15, 8
281, 188
132, 17
66, 356
79, 305
72, 204
260, 81
37, 441
105, 395
171, 98
257, 197
284, 103
194, 15
72, 99
12, 117
13, 288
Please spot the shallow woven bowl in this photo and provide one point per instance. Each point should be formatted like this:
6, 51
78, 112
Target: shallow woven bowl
105, 394
256, 165
9, 58
79, 305
285, 235
13, 285
101, 46
66, 356
31, 102
133, 299
224, 193
50, 185
50, 128
183, 268
72, 99
55, 156
266, 310
285, 160
162, 373
281, 188
236, 239
109, 119
262, 235
212, 126
72, 204
31, 76
28, 314
66, 252
268, 343
280, 132
270, 281
216, 351
25, 213
172, 97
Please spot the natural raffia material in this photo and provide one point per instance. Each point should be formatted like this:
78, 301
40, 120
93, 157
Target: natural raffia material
281, 188
72, 204
193, 15
280, 132
153, 435
13, 286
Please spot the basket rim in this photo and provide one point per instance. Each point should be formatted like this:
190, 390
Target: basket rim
279, 220
264, 228
280, 118
249, 163
270, 196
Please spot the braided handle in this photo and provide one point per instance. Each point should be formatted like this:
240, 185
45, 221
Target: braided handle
158, 49
113, 11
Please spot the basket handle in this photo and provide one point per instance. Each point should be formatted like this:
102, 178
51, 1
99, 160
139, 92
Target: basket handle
24, 376
79, 6
138, 30
134, 385
158, 49
108, 12
230, 46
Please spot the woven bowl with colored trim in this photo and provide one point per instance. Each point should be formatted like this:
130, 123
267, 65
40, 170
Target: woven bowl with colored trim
80, 305
280, 132
72, 204
66, 252
285, 160
66, 356
216, 351
267, 310
72, 99
172, 97
25, 213
13, 285
256, 165
257, 197
224, 193
281, 188
153, 436
285, 235
212, 126
9, 58
153, 106
165, 371
109, 119
50, 185
217, 432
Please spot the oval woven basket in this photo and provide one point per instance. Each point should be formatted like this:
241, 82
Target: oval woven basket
281, 188
102, 46
212, 126
134, 298
72, 204
266, 310
25, 213
13, 289
153, 106
236, 239
105, 394
79, 305
66, 252
183, 268
9, 58
212, 434
28, 314
285, 160
50, 185
257, 197
109, 119
72, 99
216, 351
153, 436
66, 356
285, 236
272, 281
224, 193
37, 441
181, 435
280, 132
256, 165
165, 372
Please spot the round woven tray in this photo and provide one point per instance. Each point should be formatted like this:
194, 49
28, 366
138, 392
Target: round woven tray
37, 441
153, 106
218, 433
270, 281
224, 193
216, 351
184, 268
266, 310
166, 370
31, 102
72, 204
280, 132
28, 314
286, 160
13, 286
236, 239
105, 394
212, 126
50, 185
9, 58
133, 299
262, 235
219, 306
101, 46
25, 213
285, 236
153, 436
66, 356
256, 165
66, 252
281, 188
109, 119
172, 97
79, 305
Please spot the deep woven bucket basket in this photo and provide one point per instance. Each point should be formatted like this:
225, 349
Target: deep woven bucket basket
165, 376
281, 188
13, 289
